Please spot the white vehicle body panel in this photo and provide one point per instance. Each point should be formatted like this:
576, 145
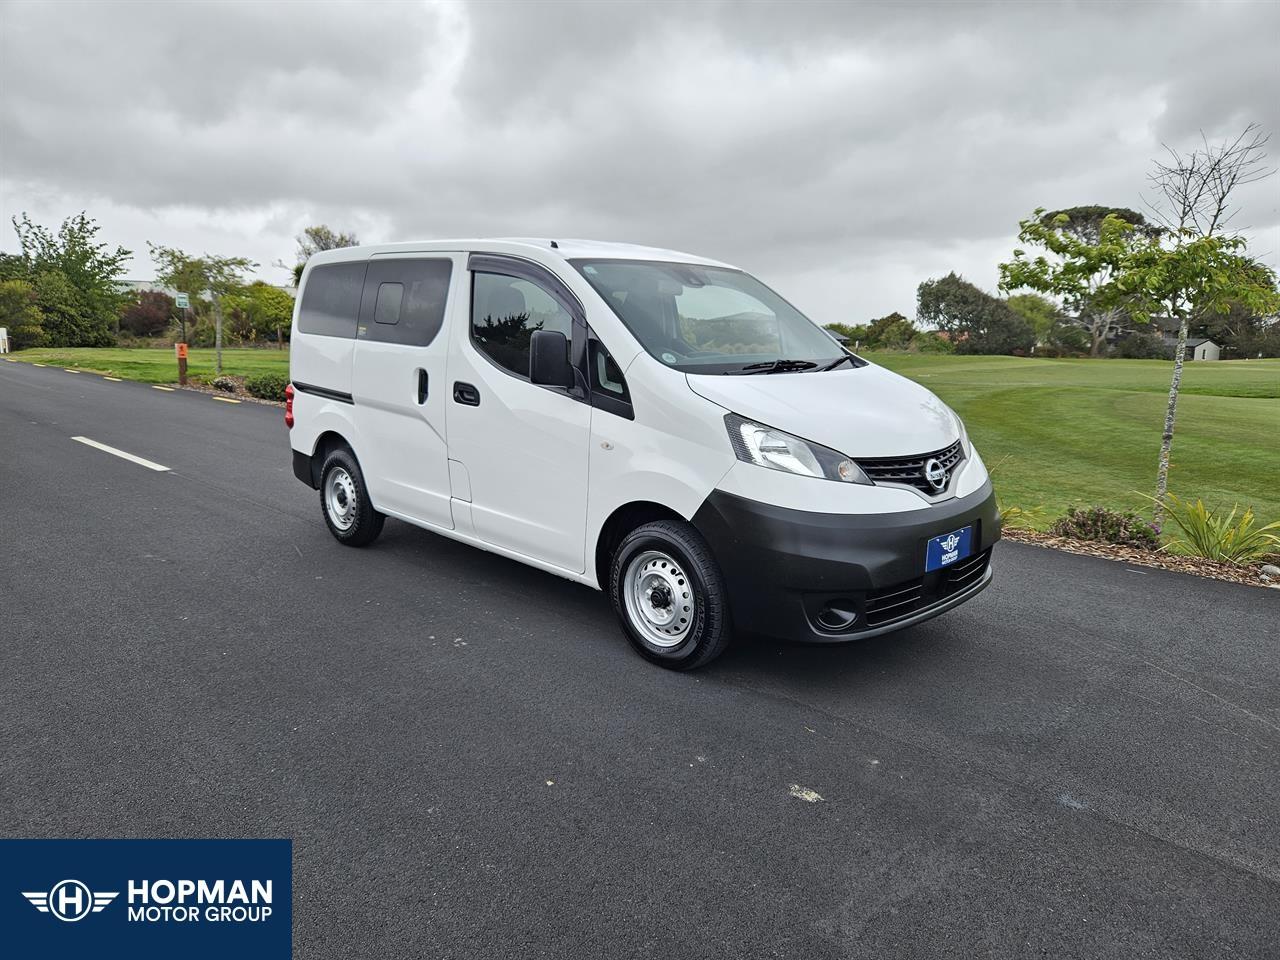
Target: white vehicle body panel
535, 475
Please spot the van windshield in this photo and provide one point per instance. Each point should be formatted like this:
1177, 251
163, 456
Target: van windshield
701, 319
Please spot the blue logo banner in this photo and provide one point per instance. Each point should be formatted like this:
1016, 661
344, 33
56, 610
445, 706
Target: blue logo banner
147, 898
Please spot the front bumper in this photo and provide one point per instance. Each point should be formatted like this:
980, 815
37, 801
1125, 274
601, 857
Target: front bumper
787, 570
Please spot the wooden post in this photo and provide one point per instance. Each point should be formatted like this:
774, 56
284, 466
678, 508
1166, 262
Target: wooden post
217, 331
181, 350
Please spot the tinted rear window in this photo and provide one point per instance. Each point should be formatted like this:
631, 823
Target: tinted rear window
404, 300
331, 299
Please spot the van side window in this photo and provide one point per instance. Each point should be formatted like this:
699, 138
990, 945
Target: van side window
404, 300
331, 299
387, 308
505, 312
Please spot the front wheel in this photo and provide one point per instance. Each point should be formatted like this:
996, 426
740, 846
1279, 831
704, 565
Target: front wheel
669, 595
344, 501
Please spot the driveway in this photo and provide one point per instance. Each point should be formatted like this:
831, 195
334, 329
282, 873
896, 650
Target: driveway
1081, 762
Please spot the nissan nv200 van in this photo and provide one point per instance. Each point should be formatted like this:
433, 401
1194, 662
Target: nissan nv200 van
660, 426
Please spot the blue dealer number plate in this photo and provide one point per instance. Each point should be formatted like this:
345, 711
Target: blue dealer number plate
948, 548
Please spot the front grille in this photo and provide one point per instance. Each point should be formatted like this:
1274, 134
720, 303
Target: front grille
910, 470
903, 599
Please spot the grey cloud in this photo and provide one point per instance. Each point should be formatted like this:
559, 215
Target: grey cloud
785, 136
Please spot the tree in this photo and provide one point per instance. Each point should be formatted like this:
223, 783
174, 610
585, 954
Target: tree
13, 267
20, 314
856, 333
972, 319
1242, 332
1199, 267
314, 239
1087, 248
1041, 313
258, 309
208, 275
83, 278
148, 315
890, 332
65, 318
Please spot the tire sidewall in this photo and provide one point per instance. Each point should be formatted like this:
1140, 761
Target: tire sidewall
689, 650
359, 532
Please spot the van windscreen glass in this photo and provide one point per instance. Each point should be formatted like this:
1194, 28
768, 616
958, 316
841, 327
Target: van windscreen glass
703, 319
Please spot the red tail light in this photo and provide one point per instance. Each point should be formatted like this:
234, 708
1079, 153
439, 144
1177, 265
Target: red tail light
288, 405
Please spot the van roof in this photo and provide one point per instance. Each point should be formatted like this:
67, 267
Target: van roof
566, 249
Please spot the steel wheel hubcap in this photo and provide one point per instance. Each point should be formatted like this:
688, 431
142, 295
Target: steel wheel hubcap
659, 598
340, 498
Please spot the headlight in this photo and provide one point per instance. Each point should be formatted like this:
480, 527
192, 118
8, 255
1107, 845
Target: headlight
767, 447
965, 445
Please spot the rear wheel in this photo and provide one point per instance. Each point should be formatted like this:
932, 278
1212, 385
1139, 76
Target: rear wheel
344, 501
669, 595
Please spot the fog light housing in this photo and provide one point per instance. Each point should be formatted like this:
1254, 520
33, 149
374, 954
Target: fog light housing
837, 615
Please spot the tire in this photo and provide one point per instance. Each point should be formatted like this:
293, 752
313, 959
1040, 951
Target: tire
661, 572
344, 501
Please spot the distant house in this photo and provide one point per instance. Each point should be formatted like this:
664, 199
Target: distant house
1198, 348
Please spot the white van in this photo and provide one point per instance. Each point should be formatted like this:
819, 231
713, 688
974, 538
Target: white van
656, 425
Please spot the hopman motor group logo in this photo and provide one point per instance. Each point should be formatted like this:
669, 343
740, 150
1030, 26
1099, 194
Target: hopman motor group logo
70, 900
162, 901
146, 899
949, 552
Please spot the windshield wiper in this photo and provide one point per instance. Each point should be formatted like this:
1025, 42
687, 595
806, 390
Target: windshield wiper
839, 360
775, 366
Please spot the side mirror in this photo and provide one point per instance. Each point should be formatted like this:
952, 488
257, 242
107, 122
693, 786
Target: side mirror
549, 359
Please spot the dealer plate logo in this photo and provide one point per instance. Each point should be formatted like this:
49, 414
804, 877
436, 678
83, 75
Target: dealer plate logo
70, 900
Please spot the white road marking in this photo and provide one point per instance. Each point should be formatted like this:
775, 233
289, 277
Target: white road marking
37, 364
155, 386
226, 400
11, 360
121, 454
112, 379
69, 370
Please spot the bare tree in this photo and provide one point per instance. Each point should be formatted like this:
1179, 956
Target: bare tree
1195, 198
311, 241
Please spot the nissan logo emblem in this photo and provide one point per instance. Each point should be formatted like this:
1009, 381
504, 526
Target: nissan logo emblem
936, 474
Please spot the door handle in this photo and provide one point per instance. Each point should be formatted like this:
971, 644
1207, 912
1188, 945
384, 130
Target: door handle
422, 386
466, 394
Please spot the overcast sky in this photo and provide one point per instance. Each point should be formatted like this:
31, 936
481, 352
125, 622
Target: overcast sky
842, 152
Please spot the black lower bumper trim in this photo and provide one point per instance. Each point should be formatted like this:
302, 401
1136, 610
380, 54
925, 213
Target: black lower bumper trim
303, 469
826, 578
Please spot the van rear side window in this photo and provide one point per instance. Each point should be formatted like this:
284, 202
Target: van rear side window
404, 300
331, 299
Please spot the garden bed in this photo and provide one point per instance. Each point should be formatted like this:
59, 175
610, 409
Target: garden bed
1251, 575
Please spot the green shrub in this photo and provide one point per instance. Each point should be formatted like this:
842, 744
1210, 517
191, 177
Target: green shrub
267, 386
1109, 526
929, 342
1145, 345
1216, 537
226, 384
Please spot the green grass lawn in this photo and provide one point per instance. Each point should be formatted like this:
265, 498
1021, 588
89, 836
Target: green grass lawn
1078, 432
160, 365
1054, 432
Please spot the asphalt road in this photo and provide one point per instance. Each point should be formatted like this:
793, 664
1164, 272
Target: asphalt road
1082, 762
